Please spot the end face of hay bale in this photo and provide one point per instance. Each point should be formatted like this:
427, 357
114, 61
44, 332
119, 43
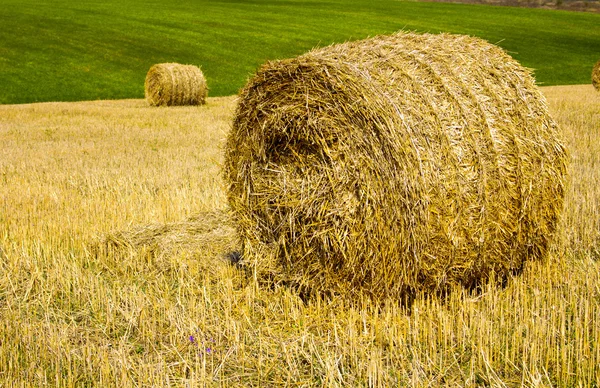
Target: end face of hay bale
393, 164
596, 76
169, 84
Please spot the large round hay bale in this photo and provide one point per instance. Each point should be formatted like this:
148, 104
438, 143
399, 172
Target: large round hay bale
596, 76
394, 164
170, 84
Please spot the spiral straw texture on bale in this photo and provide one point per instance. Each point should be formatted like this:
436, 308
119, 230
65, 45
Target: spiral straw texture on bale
394, 164
596, 76
169, 84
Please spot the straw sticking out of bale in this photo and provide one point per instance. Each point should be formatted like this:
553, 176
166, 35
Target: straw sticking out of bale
170, 84
596, 76
394, 164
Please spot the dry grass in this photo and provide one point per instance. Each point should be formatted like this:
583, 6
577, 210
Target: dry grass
169, 84
393, 164
79, 310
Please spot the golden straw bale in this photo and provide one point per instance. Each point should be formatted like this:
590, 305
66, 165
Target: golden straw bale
394, 164
596, 76
170, 84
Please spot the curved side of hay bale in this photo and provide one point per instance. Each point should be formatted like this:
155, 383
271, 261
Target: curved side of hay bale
398, 163
596, 76
169, 84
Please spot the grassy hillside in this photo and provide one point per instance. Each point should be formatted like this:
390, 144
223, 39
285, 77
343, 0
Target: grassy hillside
112, 271
61, 50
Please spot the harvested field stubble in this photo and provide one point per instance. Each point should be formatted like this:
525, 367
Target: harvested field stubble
122, 315
394, 164
170, 84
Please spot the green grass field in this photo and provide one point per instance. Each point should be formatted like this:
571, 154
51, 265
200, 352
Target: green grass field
61, 50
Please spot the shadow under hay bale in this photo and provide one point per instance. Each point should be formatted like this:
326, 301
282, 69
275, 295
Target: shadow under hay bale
596, 76
392, 165
169, 84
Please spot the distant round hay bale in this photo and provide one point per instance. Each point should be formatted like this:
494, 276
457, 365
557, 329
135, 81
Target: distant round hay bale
394, 164
170, 84
596, 76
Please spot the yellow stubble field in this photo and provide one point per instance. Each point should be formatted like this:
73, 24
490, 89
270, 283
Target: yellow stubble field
114, 270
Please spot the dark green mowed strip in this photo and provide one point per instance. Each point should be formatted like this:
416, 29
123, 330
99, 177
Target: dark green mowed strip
68, 51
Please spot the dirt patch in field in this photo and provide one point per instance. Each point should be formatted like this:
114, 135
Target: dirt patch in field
565, 5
